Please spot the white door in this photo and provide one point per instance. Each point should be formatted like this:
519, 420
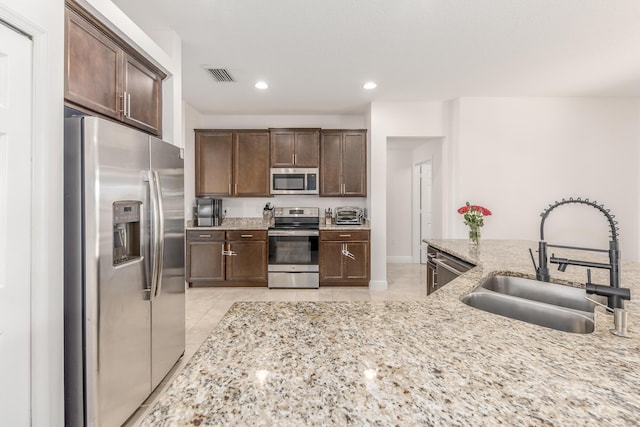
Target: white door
422, 209
15, 227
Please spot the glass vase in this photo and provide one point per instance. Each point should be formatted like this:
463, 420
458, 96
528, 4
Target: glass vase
474, 236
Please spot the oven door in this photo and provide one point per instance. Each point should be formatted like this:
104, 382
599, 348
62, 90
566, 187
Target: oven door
293, 258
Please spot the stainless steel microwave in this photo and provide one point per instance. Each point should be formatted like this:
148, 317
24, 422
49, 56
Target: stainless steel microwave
294, 180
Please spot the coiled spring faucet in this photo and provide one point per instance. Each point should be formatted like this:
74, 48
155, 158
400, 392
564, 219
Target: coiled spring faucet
614, 293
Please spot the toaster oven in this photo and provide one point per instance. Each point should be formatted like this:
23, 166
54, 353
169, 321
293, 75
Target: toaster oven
346, 215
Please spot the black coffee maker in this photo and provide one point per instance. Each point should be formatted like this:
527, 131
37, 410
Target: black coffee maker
209, 212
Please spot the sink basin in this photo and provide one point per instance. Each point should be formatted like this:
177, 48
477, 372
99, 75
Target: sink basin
545, 304
534, 290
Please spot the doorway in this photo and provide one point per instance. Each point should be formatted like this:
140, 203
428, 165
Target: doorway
414, 196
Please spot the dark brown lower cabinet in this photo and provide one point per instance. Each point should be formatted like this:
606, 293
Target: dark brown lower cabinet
345, 258
205, 262
248, 259
231, 258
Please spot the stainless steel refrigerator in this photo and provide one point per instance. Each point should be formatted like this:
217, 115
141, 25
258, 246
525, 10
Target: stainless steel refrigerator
124, 268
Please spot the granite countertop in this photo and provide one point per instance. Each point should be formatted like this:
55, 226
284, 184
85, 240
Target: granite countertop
235, 224
260, 224
334, 226
431, 362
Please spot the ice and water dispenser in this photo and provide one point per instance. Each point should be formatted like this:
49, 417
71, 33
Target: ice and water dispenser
126, 231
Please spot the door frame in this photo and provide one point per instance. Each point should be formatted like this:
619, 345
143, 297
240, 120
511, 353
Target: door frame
416, 209
46, 305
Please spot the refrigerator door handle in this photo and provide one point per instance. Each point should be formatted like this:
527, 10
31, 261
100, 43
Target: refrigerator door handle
153, 218
160, 233
148, 250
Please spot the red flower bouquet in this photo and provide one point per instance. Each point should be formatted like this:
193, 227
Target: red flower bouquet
474, 218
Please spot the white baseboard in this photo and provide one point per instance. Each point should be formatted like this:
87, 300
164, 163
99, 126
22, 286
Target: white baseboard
400, 259
378, 285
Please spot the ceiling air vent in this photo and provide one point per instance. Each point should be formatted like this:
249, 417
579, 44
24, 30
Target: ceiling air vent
220, 74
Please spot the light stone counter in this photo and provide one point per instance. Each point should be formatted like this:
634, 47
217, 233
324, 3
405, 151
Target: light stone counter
260, 224
430, 362
337, 227
235, 224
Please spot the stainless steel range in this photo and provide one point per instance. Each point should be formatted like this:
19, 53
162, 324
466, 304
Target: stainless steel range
293, 248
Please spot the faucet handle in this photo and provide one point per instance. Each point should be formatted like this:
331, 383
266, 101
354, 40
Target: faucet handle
533, 260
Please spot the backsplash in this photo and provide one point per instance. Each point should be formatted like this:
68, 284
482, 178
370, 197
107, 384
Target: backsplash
245, 207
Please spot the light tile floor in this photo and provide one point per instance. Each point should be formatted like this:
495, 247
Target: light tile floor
205, 307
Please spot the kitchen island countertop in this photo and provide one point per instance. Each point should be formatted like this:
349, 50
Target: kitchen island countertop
434, 361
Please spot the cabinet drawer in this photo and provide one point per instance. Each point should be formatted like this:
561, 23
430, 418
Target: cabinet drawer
204, 235
346, 235
247, 235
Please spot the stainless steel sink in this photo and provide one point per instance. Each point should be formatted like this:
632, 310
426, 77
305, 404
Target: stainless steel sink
546, 304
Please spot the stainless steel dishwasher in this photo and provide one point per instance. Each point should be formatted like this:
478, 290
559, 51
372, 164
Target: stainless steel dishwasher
448, 268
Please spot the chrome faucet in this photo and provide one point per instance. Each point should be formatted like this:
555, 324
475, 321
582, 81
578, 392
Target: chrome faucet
614, 293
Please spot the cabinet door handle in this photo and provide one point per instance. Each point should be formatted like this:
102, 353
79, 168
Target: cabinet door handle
123, 97
246, 235
205, 235
236, 189
293, 159
229, 188
228, 252
129, 105
345, 252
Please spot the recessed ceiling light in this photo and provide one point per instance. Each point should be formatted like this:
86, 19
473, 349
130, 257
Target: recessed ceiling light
261, 85
369, 85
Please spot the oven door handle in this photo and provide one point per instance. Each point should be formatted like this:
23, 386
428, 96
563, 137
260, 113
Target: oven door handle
293, 233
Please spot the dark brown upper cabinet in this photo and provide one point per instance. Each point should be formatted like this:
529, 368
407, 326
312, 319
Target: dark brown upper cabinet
214, 163
343, 163
106, 76
232, 163
295, 148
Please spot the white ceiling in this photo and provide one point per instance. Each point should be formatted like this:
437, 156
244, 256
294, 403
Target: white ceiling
317, 54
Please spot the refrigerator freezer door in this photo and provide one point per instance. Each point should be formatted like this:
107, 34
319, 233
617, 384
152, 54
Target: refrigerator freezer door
168, 303
117, 308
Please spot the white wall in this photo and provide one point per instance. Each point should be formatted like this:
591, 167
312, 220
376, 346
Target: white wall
191, 120
517, 155
172, 111
44, 21
389, 120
